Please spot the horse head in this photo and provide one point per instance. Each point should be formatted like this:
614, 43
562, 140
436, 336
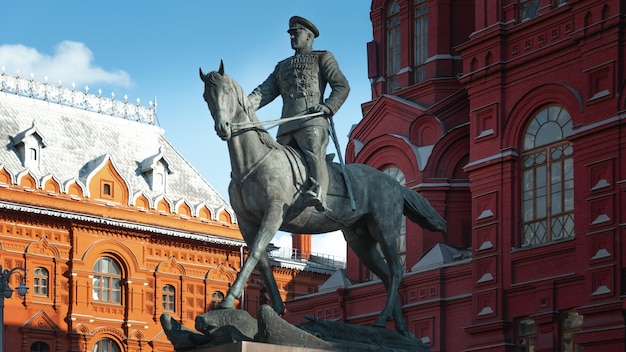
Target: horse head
223, 97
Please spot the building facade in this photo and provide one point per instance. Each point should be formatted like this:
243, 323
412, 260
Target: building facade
508, 116
112, 226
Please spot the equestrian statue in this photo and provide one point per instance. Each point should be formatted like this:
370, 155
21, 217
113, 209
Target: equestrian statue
269, 192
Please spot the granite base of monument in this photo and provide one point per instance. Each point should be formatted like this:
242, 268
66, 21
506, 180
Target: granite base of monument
247, 346
235, 330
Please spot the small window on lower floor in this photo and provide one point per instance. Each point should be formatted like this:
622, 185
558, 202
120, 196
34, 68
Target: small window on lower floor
525, 335
169, 298
39, 347
570, 323
216, 298
40, 282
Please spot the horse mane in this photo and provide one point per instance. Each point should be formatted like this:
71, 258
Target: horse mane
214, 78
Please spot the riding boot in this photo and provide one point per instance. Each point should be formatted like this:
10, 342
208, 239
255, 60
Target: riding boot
315, 199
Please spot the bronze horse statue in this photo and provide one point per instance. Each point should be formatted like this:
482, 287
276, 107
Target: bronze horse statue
266, 194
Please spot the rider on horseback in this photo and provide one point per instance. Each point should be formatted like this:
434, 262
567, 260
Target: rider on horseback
301, 80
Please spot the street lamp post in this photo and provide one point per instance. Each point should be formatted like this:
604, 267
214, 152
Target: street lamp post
6, 292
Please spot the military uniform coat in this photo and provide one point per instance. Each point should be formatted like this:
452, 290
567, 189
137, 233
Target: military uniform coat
301, 81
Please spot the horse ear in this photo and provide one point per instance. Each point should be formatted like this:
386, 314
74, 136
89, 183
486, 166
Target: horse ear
202, 75
221, 70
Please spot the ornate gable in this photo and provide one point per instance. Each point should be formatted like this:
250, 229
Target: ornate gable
51, 184
171, 266
41, 321
104, 181
43, 248
389, 115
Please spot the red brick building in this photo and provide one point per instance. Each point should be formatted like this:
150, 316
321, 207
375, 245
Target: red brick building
509, 117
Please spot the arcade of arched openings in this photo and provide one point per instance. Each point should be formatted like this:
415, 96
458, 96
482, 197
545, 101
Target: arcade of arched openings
511, 123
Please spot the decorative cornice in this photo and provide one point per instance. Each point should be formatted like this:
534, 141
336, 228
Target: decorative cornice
77, 99
119, 223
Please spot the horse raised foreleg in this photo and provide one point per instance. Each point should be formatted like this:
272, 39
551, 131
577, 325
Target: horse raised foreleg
271, 222
249, 232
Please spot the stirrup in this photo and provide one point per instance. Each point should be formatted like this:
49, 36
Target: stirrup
315, 202
315, 199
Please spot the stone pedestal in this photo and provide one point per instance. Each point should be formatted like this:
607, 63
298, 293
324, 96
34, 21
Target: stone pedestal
247, 346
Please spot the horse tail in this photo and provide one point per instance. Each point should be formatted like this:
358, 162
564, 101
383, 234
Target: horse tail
419, 210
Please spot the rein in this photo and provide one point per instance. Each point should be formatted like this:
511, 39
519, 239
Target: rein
253, 168
251, 125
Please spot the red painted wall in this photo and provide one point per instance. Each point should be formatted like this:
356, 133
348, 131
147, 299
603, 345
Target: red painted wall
458, 136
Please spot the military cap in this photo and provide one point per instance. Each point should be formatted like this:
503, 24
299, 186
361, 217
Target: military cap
296, 22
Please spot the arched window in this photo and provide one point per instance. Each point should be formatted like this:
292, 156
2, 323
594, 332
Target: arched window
107, 281
159, 181
33, 154
393, 45
548, 178
216, 297
106, 345
39, 347
40, 282
420, 17
169, 298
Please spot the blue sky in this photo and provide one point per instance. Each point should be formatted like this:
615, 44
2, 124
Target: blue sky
148, 49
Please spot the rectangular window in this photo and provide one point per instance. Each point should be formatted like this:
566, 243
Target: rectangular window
526, 334
41, 286
393, 46
570, 323
40, 282
107, 286
107, 289
528, 9
548, 195
421, 40
168, 298
107, 189
168, 303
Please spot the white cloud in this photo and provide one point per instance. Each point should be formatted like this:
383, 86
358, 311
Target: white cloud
331, 243
71, 62
282, 240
